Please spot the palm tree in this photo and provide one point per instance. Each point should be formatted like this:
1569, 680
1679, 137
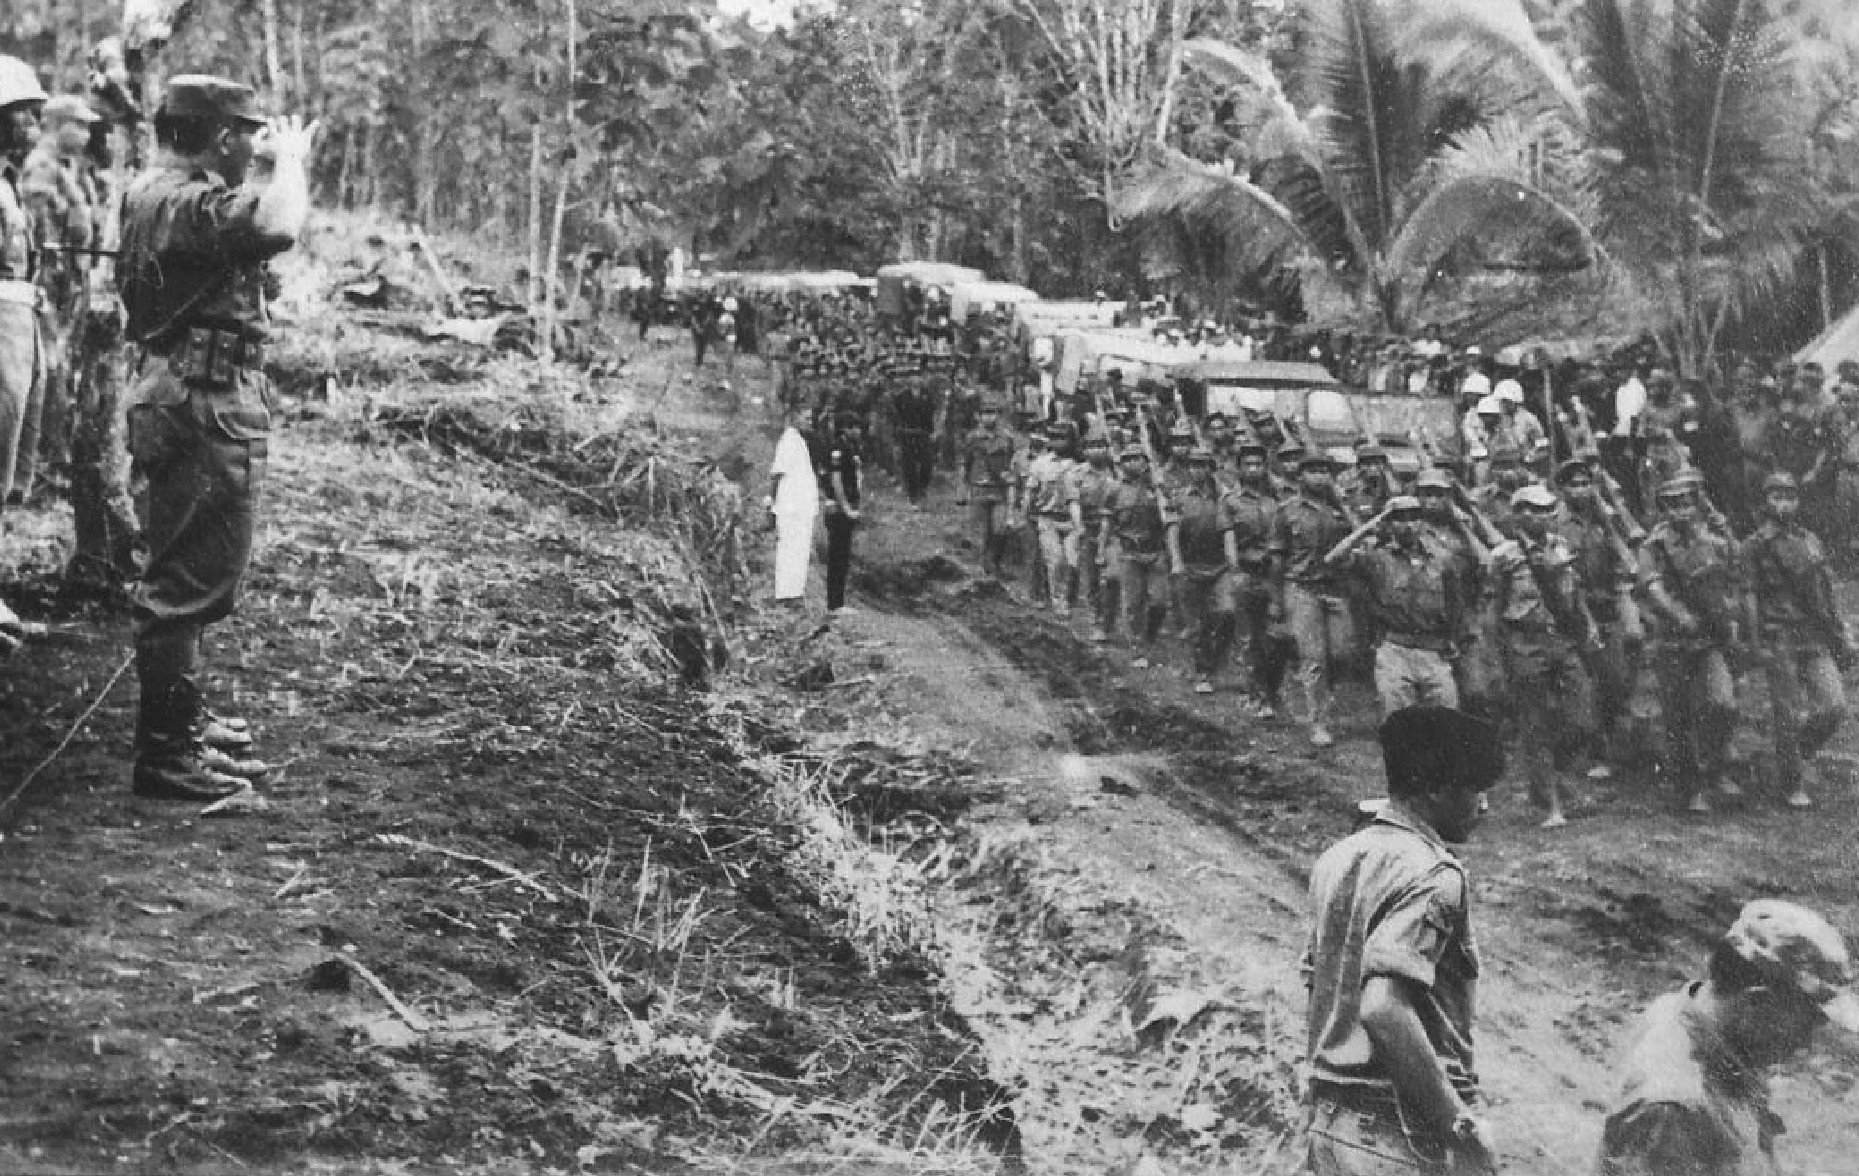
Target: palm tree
1411, 142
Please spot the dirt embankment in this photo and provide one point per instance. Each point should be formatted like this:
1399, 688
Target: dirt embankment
521, 901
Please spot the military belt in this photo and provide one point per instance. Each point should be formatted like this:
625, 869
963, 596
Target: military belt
212, 357
1421, 641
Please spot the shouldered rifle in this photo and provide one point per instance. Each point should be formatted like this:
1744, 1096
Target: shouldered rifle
1580, 432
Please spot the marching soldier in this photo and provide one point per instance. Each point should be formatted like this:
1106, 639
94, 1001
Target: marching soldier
1547, 632
1146, 550
1210, 555
1418, 600
913, 409
196, 239
987, 463
1608, 573
1056, 514
1694, 585
21, 99
1098, 589
1252, 507
1804, 641
1307, 526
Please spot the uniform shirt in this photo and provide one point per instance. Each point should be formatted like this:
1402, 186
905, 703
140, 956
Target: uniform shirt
1390, 900
1538, 593
1253, 512
1598, 568
1702, 573
915, 407
840, 457
63, 201
1687, 1106
17, 246
1303, 532
1204, 526
1095, 488
991, 452
1417, 591
1139, 518
1051, 486
1788, 570
191, 254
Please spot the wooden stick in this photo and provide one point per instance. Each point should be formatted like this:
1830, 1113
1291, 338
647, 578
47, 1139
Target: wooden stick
504, 868
414, 1021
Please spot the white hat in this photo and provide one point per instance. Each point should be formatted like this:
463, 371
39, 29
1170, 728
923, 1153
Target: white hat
1474, 349
1488, 404
1509, 390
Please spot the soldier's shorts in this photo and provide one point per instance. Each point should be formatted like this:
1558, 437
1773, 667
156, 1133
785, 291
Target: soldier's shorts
1346, 1142
19, 373
1409, 676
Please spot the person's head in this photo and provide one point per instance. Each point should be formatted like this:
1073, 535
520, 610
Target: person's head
1576, 477
1253, 464
1509, 395
1778, 975
212, 122
1507, 469
989, 414
1180, 439
1219, 429
1534, 510
66, 121
1201, 467
1405, 519
1097, 450
1315, 473
1678, 503
21, 100
1781, 497
1811, 378
1133, 463
1489, 410
1437, 761
1434, 489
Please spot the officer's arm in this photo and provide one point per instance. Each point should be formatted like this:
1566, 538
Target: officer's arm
1336, 554
1230, 542
1391, 1019
284, 204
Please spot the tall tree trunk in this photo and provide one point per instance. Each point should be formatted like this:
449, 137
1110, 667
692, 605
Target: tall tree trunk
274, 58
534, 292
545, 349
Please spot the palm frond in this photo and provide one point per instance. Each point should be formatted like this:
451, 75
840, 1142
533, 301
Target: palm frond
1629, 112
1256, 226
1729, 89
1457, 38
1495, 212
1371, 125
1286, 132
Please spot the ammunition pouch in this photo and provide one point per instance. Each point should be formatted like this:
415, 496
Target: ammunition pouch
213, 357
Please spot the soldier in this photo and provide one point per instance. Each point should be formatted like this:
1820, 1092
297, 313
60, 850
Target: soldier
1804, 642
1547, 632
64, 203
1146, 550
987, 461
20, 101
841, 474
913, 409
1029, 464
1418, 599
1694, 1094
1210, 556
1097, 580
1694, 585
196, 239
1306, 527
1053, 507
1373, 483
1252, 507
1504, 476
1392, 964
1608, 573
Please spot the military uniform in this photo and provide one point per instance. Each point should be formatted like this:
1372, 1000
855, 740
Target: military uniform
913, 412
1698, 571
1098, 589
1802, 638
1253, 511
988, 459
1206, 595
1417, 597
1623, 708
1546, 630
1140, 519
1051, 497
20, 356
193, 280
1303, 532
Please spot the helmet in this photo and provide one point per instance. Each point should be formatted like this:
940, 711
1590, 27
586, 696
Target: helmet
1251, 448
18, 82
1780, 480
1509, 390
1404, 504
1489, 406
1369, 451
1574, 468
1794, 947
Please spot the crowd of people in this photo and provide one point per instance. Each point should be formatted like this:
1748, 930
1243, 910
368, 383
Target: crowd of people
1617, 563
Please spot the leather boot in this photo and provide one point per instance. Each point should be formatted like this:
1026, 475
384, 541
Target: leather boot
232, 762
178, 773
169, 763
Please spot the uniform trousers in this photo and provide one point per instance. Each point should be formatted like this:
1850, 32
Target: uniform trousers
1345, 1142
1266, 646
1144, 583
19, 377
1320, 625
1807, 700
1058, 553
1208, 608
1552, 697
839, 530
203, 454
1698, 696
917, 459
1409, 676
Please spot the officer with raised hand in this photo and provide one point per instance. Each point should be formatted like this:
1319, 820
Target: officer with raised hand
195, 241
21, 100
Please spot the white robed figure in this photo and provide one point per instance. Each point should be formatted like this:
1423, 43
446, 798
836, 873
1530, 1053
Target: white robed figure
794, 499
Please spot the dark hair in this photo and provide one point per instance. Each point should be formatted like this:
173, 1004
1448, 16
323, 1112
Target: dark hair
1730, 973
186, 134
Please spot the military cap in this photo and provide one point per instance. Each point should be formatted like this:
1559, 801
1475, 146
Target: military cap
67, 108
1403, 504
1200, 455
1676, 488
205, 96
1533, 497
1217, 418
1181, 428
1290, 453
1505, 455
1573, 468
1316, 458
1369, 451
1795, 948
989, 406
1428, 748
1251, 447
1095, 439
1435, 478
1780, 480
1133, 449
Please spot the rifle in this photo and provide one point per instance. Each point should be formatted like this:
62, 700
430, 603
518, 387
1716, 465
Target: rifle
1580, 435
